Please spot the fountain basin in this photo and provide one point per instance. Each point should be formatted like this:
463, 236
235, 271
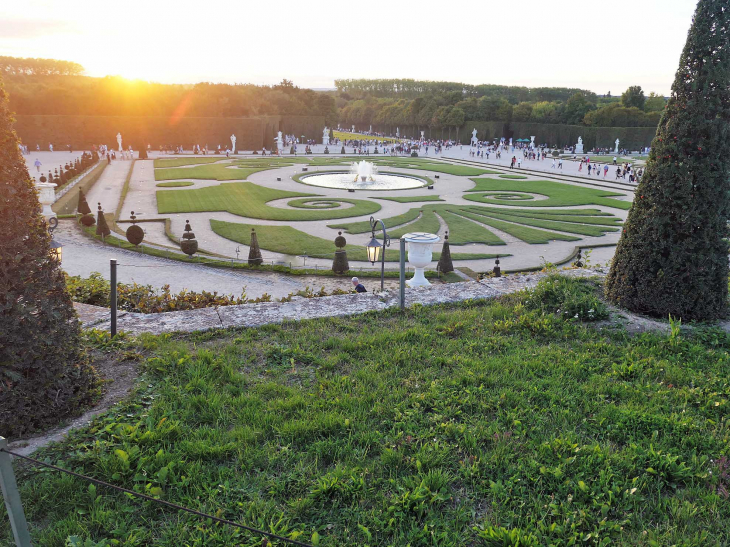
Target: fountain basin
346, 181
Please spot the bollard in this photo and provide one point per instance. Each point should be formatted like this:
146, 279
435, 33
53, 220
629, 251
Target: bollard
12, 498
113, 296
402, 274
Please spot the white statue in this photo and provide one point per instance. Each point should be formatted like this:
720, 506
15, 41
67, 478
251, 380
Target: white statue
119, 141
579, 146
326, 136
615, 150
371, 129
474, 139
397, 131
353, 128
422, 137
233, 144
510, 141
279, 142
532, 142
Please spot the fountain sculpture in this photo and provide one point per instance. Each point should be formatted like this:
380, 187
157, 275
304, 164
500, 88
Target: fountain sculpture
364, 171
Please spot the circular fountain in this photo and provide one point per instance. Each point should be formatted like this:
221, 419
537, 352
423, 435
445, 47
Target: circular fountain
363, 175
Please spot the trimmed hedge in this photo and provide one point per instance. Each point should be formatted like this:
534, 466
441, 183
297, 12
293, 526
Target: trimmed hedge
672, 257
45, 375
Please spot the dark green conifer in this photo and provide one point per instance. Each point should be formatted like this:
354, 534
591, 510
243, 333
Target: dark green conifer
44, 374
672, 257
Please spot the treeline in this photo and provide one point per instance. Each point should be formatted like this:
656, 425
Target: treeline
14, 66
115, 96
449, 109
410, 89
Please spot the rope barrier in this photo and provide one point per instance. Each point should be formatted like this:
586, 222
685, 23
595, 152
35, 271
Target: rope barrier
162, 502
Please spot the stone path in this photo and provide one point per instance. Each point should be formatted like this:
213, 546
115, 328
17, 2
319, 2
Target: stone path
83, 255
256, 315
49, 160
108, 189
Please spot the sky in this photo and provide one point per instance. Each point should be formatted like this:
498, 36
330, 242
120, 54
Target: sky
600, 46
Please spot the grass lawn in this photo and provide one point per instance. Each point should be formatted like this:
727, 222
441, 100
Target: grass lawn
487, 423
559, 194
520, 223
249, 200
410, 199
214, 171
180, 162
344, 135
288, 240
513, 177
174, 184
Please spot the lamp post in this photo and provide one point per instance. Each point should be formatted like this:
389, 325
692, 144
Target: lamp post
56, 248
374, 249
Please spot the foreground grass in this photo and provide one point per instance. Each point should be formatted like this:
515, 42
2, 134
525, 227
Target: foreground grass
479, 424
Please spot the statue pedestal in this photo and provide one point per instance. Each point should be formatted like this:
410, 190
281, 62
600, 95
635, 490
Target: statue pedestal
579, 148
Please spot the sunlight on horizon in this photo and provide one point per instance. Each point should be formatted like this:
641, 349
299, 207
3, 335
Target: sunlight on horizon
580, 45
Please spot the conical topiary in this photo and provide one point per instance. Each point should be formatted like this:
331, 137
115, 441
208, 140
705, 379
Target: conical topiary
102, 228
672, 257
343, 150
189, 244
134, 233
254, 252
83, 206
445, 264
45, 375
340, 265
143, 153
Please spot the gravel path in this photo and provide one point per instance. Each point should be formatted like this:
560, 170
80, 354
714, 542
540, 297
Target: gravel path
82, 256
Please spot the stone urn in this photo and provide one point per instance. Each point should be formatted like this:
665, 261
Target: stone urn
46, 197
420, 255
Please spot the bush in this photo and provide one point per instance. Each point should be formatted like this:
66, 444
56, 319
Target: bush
45, 375
96, 290
570, 298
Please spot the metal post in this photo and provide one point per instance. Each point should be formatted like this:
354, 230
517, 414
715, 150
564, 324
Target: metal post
113, 298
12, 498
402, 274
382, 267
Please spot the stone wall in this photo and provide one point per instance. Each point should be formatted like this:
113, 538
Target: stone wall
82, 131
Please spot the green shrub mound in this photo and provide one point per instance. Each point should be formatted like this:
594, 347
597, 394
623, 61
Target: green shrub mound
672, 257
44, 373
573, 299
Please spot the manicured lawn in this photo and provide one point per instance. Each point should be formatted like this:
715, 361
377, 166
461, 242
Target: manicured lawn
439, 426
559, 194
174, 184
463, 231
180, 162
249, 200
215, 171
513, 177
410, 199
520, 223
344, 135
288, 240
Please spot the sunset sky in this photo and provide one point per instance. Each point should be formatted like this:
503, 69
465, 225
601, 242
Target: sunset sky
601, 46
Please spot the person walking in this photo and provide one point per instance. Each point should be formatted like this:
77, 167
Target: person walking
38, 165
560, 163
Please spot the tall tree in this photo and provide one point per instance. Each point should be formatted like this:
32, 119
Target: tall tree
633, 96
44, 374
672, 257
